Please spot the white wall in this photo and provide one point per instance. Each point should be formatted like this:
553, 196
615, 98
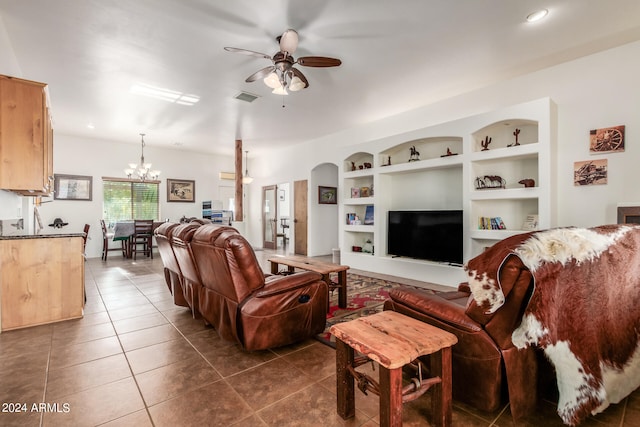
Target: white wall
99, 158
589, 93
323, 219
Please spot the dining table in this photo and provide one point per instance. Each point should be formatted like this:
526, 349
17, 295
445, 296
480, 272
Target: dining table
124, 230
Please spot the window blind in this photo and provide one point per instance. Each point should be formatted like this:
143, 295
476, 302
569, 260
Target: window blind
124, 200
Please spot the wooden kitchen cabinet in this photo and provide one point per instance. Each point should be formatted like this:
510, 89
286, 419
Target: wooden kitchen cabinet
41, 280
26, 137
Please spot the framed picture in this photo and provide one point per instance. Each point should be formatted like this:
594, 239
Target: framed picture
327, 195
72, 187
606, 140
590, 172
181, 190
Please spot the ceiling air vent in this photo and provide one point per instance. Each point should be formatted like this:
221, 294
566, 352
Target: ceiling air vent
246, 97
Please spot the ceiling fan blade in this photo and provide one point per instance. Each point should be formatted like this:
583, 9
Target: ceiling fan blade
318, 61
247, 52
289, 41
260, 74
301, 76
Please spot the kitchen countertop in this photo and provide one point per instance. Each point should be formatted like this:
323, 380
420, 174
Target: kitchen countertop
41, 236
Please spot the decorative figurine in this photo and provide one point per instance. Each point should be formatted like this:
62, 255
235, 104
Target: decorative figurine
528, 182
415, 155
449, 153
353, 166
367, 165
485, 143
515, 133
490, 182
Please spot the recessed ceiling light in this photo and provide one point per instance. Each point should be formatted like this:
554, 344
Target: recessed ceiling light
537, 15
91, 126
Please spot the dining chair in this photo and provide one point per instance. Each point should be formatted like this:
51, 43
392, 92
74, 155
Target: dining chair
108, 237
142, 239
84, 240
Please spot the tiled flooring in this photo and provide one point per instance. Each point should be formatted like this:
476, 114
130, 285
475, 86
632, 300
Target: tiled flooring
135, 359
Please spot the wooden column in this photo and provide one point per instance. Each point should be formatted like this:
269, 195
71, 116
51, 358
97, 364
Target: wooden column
238, 197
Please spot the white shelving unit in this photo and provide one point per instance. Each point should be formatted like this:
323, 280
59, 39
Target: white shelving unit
434, 180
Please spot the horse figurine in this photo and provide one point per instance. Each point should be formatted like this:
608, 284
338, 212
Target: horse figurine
415, 155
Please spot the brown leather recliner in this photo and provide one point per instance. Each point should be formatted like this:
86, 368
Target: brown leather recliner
181, 244
243, 304
172, 273
484, 358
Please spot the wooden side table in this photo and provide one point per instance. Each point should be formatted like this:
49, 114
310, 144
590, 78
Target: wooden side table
324, 268
393, 340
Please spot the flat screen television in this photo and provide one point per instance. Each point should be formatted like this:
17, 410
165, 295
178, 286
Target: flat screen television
434, 235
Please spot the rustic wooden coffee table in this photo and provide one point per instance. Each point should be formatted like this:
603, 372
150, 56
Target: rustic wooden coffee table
324, 268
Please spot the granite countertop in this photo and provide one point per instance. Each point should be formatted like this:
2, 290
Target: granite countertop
41, 236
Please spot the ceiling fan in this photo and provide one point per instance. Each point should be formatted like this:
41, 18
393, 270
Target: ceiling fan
282, 75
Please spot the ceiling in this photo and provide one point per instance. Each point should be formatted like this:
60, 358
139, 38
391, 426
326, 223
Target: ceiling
396, 56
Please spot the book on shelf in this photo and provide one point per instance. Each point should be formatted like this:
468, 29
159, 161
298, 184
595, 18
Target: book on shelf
491, 223
530, 223
368, 216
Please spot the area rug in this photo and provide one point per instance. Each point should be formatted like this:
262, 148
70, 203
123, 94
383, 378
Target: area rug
365, 296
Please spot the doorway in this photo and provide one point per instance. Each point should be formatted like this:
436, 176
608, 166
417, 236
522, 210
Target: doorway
269, 217
300, 198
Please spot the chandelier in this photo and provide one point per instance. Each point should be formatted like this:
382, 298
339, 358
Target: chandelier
142, 170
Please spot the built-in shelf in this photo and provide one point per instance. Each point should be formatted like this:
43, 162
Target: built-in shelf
404, 180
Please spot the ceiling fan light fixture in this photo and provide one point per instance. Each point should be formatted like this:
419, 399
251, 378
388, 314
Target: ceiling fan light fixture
296, 84
272, 80
281, 90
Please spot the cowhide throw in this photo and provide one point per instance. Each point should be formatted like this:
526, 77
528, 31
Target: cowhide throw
584, 311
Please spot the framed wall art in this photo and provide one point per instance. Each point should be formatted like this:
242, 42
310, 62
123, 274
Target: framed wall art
590, 172
181, 190
72, 187
327, 195
606, 140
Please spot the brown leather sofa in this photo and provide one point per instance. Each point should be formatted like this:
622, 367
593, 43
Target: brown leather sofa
242, 303
172, 273
190, 279
487, 367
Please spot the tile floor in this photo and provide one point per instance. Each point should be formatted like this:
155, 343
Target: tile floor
135, 359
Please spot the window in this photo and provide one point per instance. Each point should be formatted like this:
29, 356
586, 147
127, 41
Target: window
125, 199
